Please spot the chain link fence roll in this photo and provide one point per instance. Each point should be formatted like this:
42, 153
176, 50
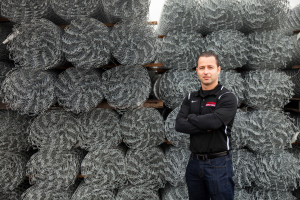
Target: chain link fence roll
37, 192
5, 67
91, 192
295, 52
5, 30
259, 15
174, 86
13, 131
242, 194
142, 127
54, 129
244, 168
146, 167
175, 193
263, 130
16, 193
180, 50
132, 192
29, 91
99, 128
126, 86
231, 46
79, 90
176, 162
124, 10
53, 169
134, 43
12, 170
179, 15
268, 89
36, 45
87, 43
294, 75
292, 21
177, 139
270, 194
269, 50
105, 168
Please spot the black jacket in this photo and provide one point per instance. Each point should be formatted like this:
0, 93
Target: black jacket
208, 117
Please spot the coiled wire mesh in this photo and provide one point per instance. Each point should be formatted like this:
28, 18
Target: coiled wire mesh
134, 43
126, 86
142, 127
13, 131
124, 10
174, 193
296, 51
5, 67
105, 168
174, 86
37, 45
54, 129
244, 168
16, 193
220, 15
261, 15
99, 128
269, 49
91, 192
179, 15
263, 130
29, 91
53, 169
268, 89
87, 43
146, 167
37, 192
132, 192
79, 90
5, 30
180, 50
269, 194
242, 194
12, 169
176, 163
278, 170
177, 139
231, 46
75, 9
295, 77
292, 21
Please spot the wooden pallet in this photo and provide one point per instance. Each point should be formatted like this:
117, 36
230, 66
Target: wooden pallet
293, 106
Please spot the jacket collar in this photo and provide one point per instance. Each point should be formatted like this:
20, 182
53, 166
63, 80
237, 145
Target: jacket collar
214, 91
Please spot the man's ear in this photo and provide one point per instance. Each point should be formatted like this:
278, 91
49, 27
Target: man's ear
219, 69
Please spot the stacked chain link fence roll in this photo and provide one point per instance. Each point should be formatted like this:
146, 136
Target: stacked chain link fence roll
5, 67
294, 75
292, 22
92, 191
174, 193
137, 193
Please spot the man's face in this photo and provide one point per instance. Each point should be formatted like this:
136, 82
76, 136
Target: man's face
208, 71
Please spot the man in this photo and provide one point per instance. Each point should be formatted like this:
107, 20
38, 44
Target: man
207, 115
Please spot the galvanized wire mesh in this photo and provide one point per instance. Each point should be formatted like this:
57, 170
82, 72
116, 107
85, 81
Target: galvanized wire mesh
142, 127
54, 129
263, 131
124, 10
79, 90
268, 89
13, 131
75, 9
100, 128
231, 46
296, 51
294, 75
269, 49
180, 50
244, 168
270, 194
278, 170
242, 194
5, 30
5, 67
29, 91
292, 21
134, 43
37, 192
179, 15
53, 169
126, 86
16, 193
220, 15
174, 193
175, 85
260, 15
12, 170
91, 192
146, 167
177, 139
37, 45
176, 163
132, 192
87, 43
105, 168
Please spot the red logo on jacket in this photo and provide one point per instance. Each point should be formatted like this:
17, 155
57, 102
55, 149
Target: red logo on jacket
213, 104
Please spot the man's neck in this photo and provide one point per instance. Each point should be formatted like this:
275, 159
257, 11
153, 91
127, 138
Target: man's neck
209, 87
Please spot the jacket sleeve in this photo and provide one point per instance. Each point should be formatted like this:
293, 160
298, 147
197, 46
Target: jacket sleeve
182, 124
223, 114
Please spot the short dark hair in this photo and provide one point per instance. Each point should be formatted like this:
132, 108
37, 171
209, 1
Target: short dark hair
209, 54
